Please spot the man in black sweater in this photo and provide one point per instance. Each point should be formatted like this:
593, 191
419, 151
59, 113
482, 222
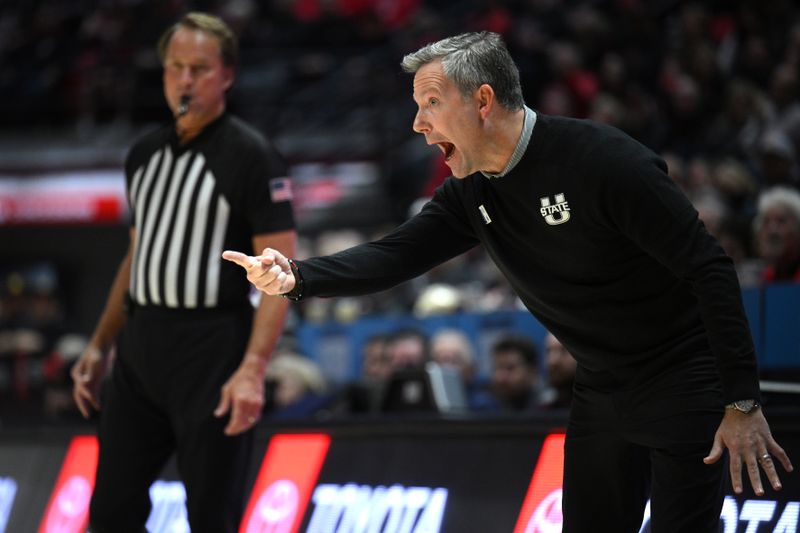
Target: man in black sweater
611, 257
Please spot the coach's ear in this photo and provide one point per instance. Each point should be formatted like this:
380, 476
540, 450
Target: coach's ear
485, 98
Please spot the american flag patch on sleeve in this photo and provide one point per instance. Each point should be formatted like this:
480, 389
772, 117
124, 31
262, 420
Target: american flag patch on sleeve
280, 189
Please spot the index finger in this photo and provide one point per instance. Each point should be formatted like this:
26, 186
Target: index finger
243, 260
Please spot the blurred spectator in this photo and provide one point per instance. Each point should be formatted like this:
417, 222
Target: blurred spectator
784, 92
63, 63
736, 185
298, 386
556, 100
566, 63
699, 173
693, 174
608, 110
734, 237
711, 209
736, 131
365, 394
407, 348
383, 355
777, 228
686, 120
451, 348
375, 364
561, 368
515, 381
31, 322
777, 160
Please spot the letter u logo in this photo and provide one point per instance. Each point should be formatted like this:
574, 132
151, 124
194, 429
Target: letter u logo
557, 213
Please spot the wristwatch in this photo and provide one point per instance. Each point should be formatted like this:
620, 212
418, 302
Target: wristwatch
744, 406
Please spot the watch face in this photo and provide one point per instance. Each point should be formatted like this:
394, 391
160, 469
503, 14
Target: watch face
745, 406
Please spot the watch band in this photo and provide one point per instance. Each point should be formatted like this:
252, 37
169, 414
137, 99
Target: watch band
744, 406
296, 294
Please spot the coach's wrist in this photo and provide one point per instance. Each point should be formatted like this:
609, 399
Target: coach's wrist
744, 406
296, 293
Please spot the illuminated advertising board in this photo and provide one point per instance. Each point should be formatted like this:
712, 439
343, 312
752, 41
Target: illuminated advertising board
68, 508
169, 507
541, 512
419, 479
283, 487
8, 491
408, 483
463, 484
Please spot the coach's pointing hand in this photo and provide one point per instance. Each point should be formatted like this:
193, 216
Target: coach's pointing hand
269, 272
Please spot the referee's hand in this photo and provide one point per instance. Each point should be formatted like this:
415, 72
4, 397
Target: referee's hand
242, 396
269, 272
87, 374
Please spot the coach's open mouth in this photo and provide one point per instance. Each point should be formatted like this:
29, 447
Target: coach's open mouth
447, 149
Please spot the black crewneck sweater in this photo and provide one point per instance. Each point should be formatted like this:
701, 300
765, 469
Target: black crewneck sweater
600, 245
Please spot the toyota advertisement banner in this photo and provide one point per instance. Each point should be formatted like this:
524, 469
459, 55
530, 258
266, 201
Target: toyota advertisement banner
358, 482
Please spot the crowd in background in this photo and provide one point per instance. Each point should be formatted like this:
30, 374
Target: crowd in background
712, 86
400, 370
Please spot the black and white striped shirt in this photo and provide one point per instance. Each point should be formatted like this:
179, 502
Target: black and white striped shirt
191, 202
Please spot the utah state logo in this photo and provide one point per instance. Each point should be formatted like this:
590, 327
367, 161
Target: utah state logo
555, 213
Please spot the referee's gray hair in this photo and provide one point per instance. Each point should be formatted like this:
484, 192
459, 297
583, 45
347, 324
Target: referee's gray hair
471, 59
774, 197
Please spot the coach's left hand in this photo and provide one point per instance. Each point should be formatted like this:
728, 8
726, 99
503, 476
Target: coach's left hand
243, 396
750, 444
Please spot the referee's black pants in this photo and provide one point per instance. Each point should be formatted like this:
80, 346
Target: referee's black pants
159, 400
650, 441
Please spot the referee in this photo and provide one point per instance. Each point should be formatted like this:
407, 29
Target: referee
191, 353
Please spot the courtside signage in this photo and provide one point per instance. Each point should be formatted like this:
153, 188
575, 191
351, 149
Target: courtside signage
283, 487
353, 508
289, 497
68, 508
541, 510
169, 508
8, 491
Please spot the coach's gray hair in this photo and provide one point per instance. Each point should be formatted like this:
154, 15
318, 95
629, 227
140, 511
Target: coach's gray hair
777, 196
471, 59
